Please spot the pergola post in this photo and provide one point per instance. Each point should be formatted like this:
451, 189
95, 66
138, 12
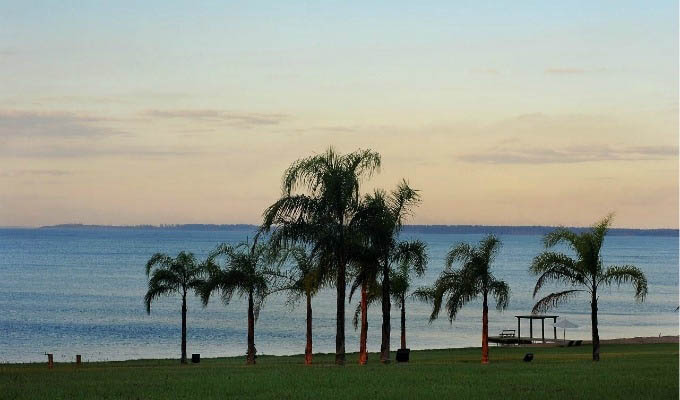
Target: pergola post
519, 332
543, 330
554, 327
531, 330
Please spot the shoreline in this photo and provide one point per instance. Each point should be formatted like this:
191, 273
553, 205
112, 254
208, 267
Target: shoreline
669, 339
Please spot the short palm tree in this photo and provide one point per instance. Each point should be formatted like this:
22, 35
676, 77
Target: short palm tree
169, 275
247, 272
473, 279
305, 279
412, 260
320, 198
586, 272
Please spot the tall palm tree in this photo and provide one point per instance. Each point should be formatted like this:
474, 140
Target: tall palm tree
306, 279
586, 272
320, 198
169, 275
473, 279
247, 272
385, 216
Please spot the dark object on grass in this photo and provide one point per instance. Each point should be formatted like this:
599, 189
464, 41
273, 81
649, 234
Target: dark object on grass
403, 355
571, 343
528, 357
78, 359
578, 342
50, 360
195, 358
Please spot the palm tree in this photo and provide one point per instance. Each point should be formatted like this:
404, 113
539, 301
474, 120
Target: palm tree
247, 272
474, 278
385, 217
305, 280
412, 259
320, 198
169, 275
585, 272
365, 267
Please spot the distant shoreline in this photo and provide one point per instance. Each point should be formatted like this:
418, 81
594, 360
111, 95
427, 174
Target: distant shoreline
425, 229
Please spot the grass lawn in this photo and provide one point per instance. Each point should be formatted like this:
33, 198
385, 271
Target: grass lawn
625, 371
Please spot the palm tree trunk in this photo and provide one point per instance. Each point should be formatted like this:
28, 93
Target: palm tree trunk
403, 322
340, 315
250, 358
596, 335
485, 331
308, 347
385, 343
183, 360
363, 355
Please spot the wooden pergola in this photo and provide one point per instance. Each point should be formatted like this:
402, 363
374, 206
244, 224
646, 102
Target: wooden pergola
531, 318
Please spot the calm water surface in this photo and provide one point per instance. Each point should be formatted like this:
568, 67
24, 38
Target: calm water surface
80, 291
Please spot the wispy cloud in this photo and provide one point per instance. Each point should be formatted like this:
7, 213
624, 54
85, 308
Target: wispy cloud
30, 124
245, 119
572, 70
99, 151
572, 154
33, 172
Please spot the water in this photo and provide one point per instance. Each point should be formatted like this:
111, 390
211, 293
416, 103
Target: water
80, 291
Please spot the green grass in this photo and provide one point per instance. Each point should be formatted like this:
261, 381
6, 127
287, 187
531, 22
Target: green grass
625, 371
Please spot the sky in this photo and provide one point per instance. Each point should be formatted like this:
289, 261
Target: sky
503, 113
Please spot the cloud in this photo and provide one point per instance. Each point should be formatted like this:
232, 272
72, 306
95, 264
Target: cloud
572, 71
572, 154
243, 119
31, 124
487, 71
88, 151
33, 172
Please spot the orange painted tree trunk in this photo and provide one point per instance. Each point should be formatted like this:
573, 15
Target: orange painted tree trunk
485, 332
363, 354
308, 347
250, 358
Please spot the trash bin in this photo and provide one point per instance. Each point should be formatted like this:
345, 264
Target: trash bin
195, 358
403, 355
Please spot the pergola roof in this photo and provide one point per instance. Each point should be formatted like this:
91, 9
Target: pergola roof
536, 316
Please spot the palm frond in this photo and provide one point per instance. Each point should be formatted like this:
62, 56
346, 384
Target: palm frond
626, 274
461, 252
554, 299
561, 235
555, 267
158, 259
501, 292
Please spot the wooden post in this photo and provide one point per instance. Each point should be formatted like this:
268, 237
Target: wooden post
531, 330
554, 327
543, 330
519, 332
78, 360
50, 360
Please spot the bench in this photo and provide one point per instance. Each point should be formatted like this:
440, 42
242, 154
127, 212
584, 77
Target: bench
506, 333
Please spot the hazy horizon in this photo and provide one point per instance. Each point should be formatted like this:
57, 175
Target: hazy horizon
254, 225
530, 113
